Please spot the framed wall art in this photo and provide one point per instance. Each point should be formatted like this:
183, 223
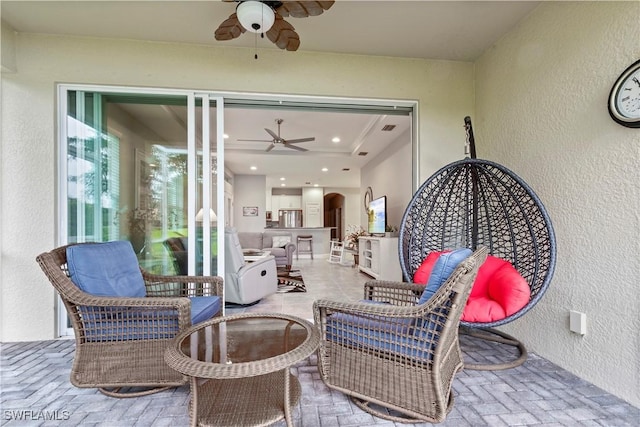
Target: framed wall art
250, 211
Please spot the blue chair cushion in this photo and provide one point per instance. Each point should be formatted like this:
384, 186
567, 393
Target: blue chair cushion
204, 308
106, 269
392, 337
130, 323
446, 263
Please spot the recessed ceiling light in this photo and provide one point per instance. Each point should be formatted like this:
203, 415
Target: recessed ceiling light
335, 139
315, 185
325, 170
282, 178
253, 168
225, 136
283, 185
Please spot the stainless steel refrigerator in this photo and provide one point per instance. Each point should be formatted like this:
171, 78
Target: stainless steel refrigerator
290, 218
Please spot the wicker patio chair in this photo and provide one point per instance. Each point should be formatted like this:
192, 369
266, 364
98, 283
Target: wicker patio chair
120, 341
472, 203
389, 353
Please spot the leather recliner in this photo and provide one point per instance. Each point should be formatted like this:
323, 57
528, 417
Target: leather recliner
246, 282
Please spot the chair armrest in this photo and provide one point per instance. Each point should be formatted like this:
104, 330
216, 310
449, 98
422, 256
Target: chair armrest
182, 286
396, 293
260, 263
323, 308
97, 318
290, 248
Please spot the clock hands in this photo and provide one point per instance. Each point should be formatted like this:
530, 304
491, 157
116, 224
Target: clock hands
635, 79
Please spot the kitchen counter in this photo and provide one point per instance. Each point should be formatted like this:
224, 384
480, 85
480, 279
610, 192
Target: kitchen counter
321, 237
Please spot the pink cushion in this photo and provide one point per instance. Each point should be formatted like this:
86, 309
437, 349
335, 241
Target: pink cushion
498, 292
421, 276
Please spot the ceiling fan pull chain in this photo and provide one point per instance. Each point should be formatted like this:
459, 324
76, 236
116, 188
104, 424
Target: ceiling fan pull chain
256, 46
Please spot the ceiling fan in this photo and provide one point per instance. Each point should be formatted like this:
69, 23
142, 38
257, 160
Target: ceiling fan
277, 139
267, 17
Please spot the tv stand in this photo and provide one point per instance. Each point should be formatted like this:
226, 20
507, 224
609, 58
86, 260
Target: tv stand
379, 257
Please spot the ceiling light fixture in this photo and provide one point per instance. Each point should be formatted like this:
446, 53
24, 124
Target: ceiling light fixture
335, 139
255, 16
253, 168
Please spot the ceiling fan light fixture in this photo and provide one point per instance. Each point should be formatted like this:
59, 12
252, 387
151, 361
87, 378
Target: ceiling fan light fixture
255, 16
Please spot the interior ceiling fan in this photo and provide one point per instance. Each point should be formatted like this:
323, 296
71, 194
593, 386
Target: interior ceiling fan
267, 17
277, 139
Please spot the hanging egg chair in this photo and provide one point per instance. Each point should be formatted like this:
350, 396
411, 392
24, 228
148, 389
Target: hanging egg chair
472, 203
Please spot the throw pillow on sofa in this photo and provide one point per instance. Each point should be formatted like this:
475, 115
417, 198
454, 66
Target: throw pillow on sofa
281, 241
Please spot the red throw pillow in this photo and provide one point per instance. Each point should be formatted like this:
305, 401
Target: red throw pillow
422, 274
510, 289
498, 291
486, 270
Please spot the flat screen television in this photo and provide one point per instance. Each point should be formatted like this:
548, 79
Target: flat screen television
377, 215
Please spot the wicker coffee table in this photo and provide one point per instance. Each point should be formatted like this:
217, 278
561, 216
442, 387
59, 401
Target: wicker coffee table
239, 367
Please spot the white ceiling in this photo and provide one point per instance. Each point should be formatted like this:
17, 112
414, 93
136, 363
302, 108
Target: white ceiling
448, 30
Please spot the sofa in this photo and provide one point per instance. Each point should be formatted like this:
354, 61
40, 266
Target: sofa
279, 243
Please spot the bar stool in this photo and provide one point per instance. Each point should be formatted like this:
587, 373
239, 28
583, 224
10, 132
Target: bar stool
308, 241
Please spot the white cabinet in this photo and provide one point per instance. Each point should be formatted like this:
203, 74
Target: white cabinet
284, 201
378, 257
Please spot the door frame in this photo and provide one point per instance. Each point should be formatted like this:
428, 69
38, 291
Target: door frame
220, 98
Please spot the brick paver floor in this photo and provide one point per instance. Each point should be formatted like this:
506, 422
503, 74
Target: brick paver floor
35, 391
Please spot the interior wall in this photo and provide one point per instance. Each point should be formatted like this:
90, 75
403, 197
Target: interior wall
444, 90
351, 208
541, 106
312, 198
387, 175
249, 191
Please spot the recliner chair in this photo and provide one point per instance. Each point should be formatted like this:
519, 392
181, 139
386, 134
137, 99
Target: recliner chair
246, 282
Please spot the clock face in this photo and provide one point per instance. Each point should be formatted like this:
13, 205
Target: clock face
628, 98
624, 101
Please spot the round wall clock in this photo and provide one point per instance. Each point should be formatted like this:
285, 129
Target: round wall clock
624, 99
368, 195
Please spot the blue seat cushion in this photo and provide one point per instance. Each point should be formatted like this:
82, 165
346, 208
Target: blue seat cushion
204, 308
444, 266
137, 323
106, 269
392, 336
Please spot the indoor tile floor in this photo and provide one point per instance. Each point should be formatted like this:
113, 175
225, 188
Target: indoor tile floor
35, 388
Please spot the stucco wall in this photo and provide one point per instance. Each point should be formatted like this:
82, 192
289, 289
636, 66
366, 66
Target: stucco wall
541, 109
444, 90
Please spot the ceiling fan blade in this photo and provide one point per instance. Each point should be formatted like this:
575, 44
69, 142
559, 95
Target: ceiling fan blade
272, 133
295, 141
269, 148
295, 147
303, 9
229, 29
283, 34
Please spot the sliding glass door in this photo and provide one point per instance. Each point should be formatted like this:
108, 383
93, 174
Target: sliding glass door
142, 167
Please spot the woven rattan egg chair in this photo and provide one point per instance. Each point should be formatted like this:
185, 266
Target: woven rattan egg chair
472, 203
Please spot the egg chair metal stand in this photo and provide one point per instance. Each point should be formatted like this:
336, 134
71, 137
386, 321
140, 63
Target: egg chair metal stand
472, 203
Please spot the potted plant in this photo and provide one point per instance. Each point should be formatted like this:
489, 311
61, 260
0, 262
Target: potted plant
353, 234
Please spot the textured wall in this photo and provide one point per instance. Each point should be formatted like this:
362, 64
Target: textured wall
28, 223
541, 110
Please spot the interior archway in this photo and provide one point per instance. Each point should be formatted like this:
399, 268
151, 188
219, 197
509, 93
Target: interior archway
334, 214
